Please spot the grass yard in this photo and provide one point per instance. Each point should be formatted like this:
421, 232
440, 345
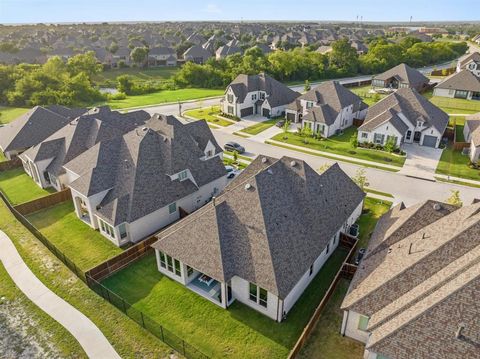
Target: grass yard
154, 74
454, 163
239, 332
325, 340
129, 339
260, 127
2, 157
209, 114
82, 244
27, 328
8, 114
380, 193
163, 97
19, 187
373, 209
369, 98
454, 105
341, 145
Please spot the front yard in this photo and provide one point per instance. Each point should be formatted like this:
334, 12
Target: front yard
340, 145
79, 242
18, 187
454, 163
260, 127
239, 332
209, 114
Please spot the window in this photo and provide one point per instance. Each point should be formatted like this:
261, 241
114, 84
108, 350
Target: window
409, 135
163, 262
258, 295
189, 271
47, 177
254, 97
172, 208
378, 138
183, 175
363, 323
123, 230
309, 104
311, 270
106, 228
170, 264
419, 123
230, 98
328, 248
461, 94
394, 139
364, 135
177, 267
209, 153
262, 95
230, 110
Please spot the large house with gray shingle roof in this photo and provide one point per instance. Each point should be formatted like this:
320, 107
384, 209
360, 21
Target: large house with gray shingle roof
264, 239
401, 76
327, 108
415, 293
471, 133
34, 127
131, 186
44, 162
404, 116
257, 95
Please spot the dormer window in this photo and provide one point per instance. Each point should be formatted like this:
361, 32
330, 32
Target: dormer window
254, 97
419, 123
309, 104
209, 153
183, 175
262, 95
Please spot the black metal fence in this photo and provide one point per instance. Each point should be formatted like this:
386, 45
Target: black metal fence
142, 319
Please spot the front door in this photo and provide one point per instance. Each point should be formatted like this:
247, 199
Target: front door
408, 136
417, 136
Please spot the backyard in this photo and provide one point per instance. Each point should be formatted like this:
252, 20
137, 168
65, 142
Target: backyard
259, 127
238, 332
209, 114
18, 187
8, 114
373, 209
369, 98
454, 105
79, 242
164, 97
341, 145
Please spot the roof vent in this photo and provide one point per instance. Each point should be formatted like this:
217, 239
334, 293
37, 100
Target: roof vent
389, 249
248, 186
213, 201
293, 163
264, 159
145, 129
437, 206
458, 333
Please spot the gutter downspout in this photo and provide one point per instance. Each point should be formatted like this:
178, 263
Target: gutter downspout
344, 327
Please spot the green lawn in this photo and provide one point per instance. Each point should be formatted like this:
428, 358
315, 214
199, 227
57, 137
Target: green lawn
8, 114
128, 338
78, 241
373, 209
19, 187
238, 332
163, 97
33, 328
325, 341
209, 114
157, 74
453, 163
341, 145
369, 98
454, 105
2, 157
260, 127
374, 191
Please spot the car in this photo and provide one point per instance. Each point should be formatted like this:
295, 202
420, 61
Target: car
360, 254
233, 146
230, 171
280, 123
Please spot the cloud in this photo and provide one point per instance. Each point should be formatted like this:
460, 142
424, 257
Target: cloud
212, 9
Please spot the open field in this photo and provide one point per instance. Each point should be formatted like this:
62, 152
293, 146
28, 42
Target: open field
78, 241
152, 74
19, 187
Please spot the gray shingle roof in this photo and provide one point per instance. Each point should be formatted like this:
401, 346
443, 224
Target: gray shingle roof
473, 123
278, 94
35, 126
463, 80
135, 168
268, 226
420, 280
474, 56
323, 114
404, 74
411, 104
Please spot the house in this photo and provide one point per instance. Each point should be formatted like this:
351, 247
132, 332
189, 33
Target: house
464, 84
264, 239
197, 54
415, 293
471, 133
257, 95
476, 39
162, 56
404, 116
33, 127
224, 51
44, 161
133, 185
470, 62
400, 76
327, 108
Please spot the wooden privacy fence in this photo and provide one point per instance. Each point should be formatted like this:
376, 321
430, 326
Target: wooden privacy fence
122, 260
44, 202
10, 165
345, 271
443, 72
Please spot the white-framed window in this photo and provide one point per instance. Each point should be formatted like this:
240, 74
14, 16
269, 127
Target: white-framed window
230, 98
364, 135
254, 97
190, 271
258, 295
378, 138
172, 208
362, 322
230, 110
209, 153
106, 228
309, 104
170, 264
419, 123
262, 95
183, 175
123, 230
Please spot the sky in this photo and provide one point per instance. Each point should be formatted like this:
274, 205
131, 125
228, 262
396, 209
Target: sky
47, 11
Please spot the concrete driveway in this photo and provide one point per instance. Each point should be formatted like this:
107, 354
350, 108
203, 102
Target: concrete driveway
421, 161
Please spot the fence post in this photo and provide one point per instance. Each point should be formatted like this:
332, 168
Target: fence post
143, 321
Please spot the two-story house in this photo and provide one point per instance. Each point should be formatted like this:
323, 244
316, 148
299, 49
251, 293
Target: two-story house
400, 76
162, 56
257, 95
133, 185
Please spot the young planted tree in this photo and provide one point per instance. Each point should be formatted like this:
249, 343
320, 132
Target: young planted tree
307, 86
306, 133
361, 179
235, 156
390, 145
285, 127
455, 199
354, 140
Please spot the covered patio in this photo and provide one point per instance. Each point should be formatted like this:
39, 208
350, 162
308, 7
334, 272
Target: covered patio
207, 287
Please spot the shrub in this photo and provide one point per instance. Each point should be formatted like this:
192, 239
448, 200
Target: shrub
117, 96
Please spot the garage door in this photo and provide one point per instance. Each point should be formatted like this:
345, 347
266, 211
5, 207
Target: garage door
266, 112
246, 111
291, 117
429, 141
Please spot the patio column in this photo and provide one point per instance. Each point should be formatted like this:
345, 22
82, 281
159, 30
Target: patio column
223, 288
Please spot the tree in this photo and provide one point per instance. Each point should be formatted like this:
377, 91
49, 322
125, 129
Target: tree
306, 133
86, 63
139, 55
125, 84
354, 140
235, 156
285, 127
344, 57
390, 145
455, 199
307, 86
113, 48
361, 179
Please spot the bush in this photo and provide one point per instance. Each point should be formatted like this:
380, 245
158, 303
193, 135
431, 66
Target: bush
117, 96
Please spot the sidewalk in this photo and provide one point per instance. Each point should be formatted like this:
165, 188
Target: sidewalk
458, 179
88, 335
335, 156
